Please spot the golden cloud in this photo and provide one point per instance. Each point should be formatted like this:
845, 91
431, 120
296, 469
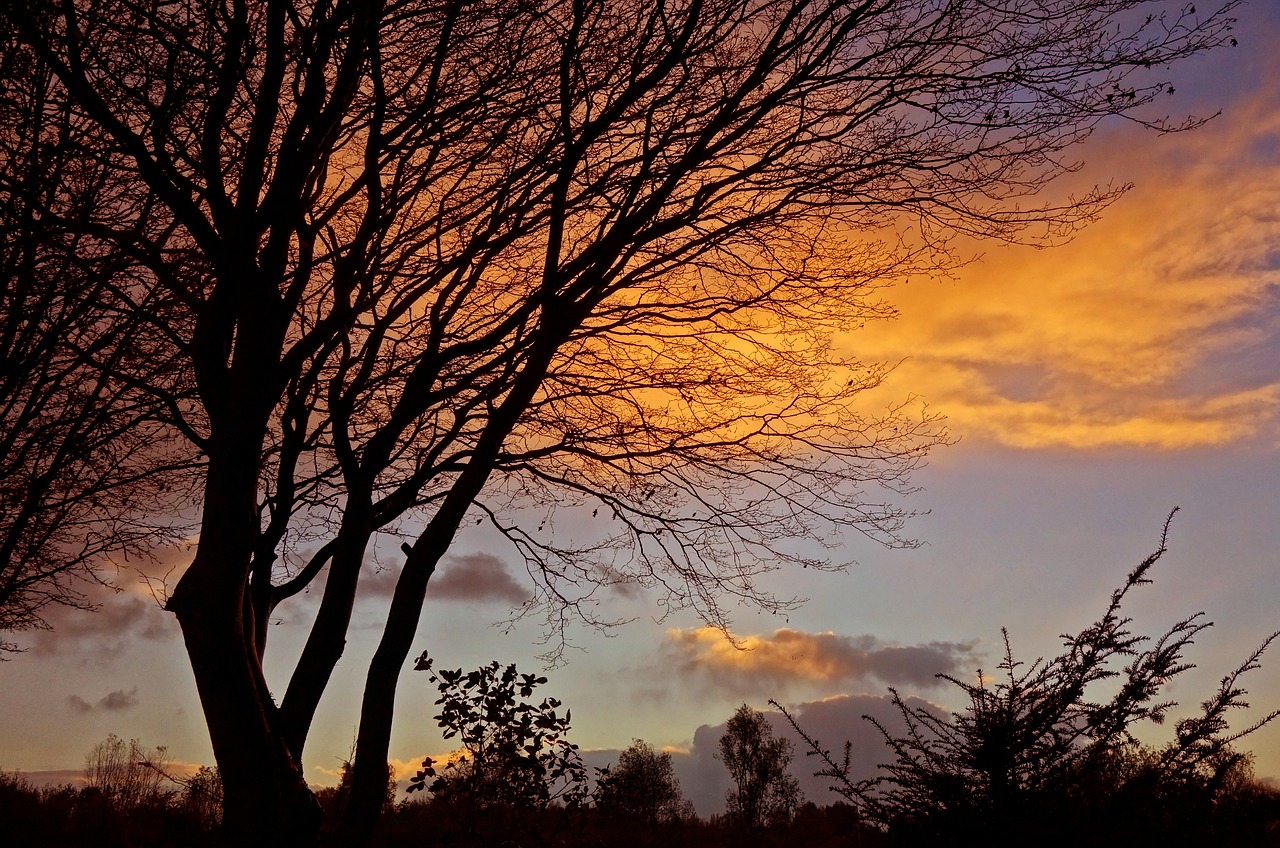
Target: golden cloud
1158, 326
741, 664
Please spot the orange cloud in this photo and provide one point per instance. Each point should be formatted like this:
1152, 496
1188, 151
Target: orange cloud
1158, 326
791, 656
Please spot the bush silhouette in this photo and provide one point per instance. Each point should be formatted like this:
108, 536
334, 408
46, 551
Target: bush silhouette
1037, 757
515, 758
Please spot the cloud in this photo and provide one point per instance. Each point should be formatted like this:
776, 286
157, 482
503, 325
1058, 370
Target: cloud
119, 700
123, 613
1158, 326
115, 701
469, 577
54, 777
768, 663
476, 577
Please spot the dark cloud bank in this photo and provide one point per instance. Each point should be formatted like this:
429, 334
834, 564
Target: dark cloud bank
832, 721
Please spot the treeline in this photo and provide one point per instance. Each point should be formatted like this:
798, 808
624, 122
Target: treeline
1044, 754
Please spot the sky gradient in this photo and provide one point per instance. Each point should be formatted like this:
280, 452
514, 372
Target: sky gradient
1093, 387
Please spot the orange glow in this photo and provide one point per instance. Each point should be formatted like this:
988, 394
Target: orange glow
786, 653
1109, 340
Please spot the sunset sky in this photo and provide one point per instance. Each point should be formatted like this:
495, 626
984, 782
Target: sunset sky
1092, 387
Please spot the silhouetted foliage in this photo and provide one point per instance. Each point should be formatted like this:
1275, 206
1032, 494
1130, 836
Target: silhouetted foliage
642, 786
71, 817
202, 798
457, 257
763, 793
333, 799
1039, 758
515, 756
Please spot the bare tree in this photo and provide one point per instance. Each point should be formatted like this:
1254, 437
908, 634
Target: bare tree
127, 773
1037, 753
438, 260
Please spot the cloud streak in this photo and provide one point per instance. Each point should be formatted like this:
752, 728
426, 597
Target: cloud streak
789, 656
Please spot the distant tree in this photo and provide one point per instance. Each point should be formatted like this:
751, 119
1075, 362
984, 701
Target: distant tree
128, 774
445, 259
763, 793
1038, 755
515, 754
642, 786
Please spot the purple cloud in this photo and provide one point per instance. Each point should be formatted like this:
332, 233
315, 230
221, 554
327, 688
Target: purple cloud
102, 633
476, 577
119, 700
831, 721
470, 577
112, 702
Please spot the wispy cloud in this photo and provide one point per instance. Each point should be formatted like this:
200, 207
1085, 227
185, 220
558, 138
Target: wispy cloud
766, 663
469, 577
1158, 326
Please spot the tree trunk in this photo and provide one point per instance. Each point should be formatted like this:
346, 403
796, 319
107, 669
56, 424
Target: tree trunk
266, 799
373, 739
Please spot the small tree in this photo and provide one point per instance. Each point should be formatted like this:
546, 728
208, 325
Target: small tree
126, 773
515, 755
202, 797
763, 792
643, 785
1037, 751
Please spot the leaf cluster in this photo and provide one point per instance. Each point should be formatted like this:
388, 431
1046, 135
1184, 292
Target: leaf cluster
515, 753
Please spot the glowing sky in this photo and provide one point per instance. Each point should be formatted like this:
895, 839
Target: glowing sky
1094, 386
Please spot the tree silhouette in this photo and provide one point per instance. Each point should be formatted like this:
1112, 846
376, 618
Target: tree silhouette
435, 261
127, 774
642, 786
763, 793
516, 756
